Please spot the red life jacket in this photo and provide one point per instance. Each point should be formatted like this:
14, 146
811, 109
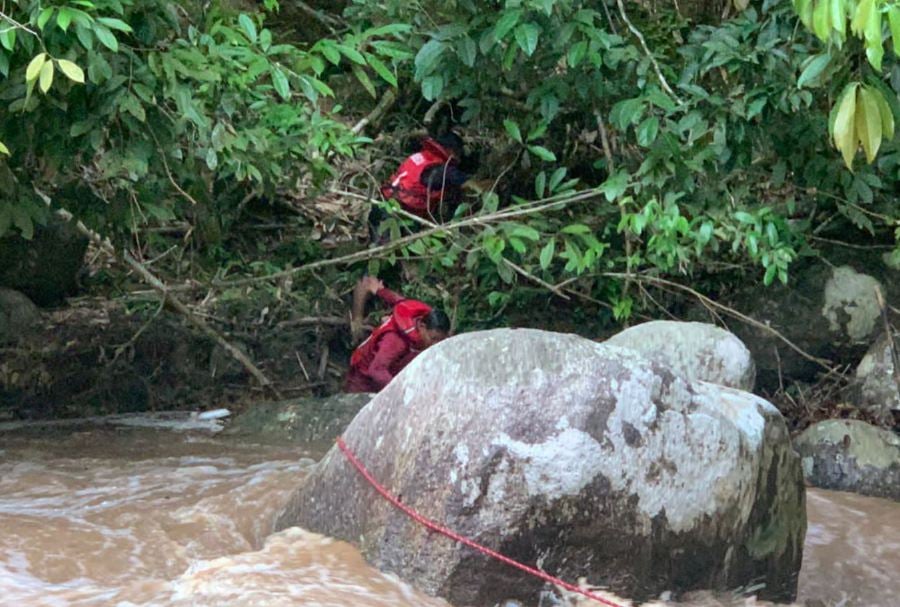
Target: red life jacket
405, 186
401, 321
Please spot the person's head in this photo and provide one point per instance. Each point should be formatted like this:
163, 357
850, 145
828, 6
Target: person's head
433, 327
453, 143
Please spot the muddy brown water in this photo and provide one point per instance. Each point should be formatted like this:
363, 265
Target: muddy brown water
126, 517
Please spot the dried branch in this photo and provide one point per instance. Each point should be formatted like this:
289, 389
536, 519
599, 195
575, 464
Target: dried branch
706, 301
374, 117
170, 299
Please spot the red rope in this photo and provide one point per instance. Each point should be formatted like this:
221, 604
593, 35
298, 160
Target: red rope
456, 537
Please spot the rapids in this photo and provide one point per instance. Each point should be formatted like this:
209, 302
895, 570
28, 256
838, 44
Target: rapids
127, 516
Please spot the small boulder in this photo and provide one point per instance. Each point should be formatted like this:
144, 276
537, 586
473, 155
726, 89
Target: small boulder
851, 455
18, 316
587, 459
875, 383
828, 312
695, 350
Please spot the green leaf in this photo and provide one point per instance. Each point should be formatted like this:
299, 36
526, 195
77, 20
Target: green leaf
547, 253
894, 24
557, 177
115, 24
8, 38
527, 35
428, 58
647, 131
822, 20
352, 54
526, 232
64, 18
576, 53
868, 123
615, 186
72, 71
540, 184
542, 153
106, 38
576, 228
212, 159
381, 69
467, 51
34, 67
280, 82
512, 130
364, 80
46, 76
844, 129
3, 150
506, 23
887, 116
44, 17
815, 65
432, 87
248, 26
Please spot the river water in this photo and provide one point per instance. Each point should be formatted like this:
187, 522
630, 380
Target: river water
125, 517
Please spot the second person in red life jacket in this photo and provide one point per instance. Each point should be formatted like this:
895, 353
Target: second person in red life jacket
411, 327
428, 183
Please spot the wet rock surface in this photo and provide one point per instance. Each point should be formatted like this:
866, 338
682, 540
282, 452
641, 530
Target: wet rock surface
851, 455
300, 420
875, 385
587, 459
19, 317
694, 350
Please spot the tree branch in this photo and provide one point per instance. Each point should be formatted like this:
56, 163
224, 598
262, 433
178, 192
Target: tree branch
637, 33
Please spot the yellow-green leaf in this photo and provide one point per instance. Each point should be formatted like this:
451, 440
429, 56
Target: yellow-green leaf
34, 68
894, 23
822, 20
868, 123
873, 27
839, 16
887, 116
72, 71
804, 10
874, 53
4, 149
844, 132
861, 17
46, 76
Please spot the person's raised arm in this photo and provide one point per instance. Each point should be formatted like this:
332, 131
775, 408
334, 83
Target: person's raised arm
365, 288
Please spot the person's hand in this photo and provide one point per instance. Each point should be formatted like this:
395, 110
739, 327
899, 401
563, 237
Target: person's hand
372, 284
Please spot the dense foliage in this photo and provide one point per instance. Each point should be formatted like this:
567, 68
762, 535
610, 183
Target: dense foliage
657, 141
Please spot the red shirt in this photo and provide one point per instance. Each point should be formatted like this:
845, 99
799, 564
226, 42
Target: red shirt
392, 354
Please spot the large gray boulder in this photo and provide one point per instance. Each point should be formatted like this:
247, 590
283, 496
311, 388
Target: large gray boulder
694, 350
585, 458
18, 316
876, 386
851, 455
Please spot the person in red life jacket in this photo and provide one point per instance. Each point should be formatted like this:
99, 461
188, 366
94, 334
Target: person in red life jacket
411, 327
427, 184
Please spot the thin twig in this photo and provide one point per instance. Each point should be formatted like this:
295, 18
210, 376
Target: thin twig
174, 183
889, 332
637, 33
826, 364
480, 221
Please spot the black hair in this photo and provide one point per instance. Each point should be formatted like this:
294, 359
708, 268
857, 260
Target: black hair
451, 141
437, 320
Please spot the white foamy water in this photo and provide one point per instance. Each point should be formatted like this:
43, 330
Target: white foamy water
125, 517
